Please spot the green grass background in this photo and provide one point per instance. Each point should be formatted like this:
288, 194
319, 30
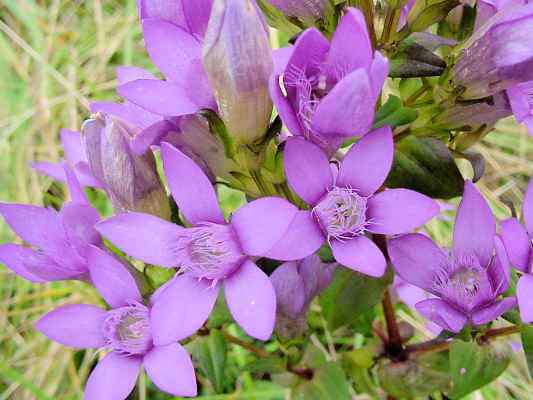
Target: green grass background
55, 55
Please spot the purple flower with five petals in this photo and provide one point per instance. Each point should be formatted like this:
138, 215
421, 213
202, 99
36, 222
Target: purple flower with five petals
209, 252
344, 207
518, 243
59, 240
330, 89
126, 330
467, 282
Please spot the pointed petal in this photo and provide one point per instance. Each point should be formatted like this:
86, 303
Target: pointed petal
112, 279
128, 74
151, 136
170, 368
251, 300
347, 110
442, 314
416, 259
181, 309
517, 243
16, 257
524, 288
474, 226
113, 378
395, 211
131, 113
73, 146
361, 255
495, 310
527, 208
143, 236
350, 47
76, 191
197, 15
159, 97
379, 70
260, 224
192, 190
53, 170
291, 247
171, 48
169, 10
74, 325
307, 170
366, 166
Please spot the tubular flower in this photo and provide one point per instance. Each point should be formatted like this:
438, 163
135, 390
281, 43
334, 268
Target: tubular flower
126, 331
211, 251
59, 240
344, 208
467, 282
518, 242
327, 92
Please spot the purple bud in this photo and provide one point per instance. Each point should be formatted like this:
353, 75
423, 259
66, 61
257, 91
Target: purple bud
296, 284
303, 9
238, 62
131, 181
497, 56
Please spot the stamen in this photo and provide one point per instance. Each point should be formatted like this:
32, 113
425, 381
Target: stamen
127, 330
342, 214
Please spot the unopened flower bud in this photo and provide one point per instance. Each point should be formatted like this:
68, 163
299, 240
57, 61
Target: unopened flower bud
131, 181
296, 284
238, 62
302, 9
498, 56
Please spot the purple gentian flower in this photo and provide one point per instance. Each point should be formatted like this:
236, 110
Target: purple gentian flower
209, 252
468, 281
307, 10
331, 88
296, 284
342, 209
75, 157
519, 247
126, 330
498, 55
59, 240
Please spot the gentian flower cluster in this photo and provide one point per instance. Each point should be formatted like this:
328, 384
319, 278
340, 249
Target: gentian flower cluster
332, 160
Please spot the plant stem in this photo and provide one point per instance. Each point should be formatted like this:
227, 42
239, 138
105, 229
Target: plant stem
391, 25
245, 345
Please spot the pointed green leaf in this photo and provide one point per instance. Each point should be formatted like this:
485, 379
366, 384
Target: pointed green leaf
328, 383
210, 352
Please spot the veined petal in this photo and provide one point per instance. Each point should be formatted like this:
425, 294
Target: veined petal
442, 314
360, 254
169, 10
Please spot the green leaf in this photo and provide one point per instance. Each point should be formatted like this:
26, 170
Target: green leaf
393, 113
220, 314
328, 383
210, 353
271, 365
351, 294
425, 165
473, 366
526, 334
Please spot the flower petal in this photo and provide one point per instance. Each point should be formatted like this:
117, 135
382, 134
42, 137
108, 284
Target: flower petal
416, 259
396, 211
260, 224
307, 170
159, 97
112, 279
113, 378
474, 226
169, 10
366, 166
171, 48
442, 314
379, 70
75, 189
527, 208
129, 112
72, 146
197, 15
281, 58
291, 246
171, 369
181, 309
283, 106
143, 236
499, 270
495, 310
524, 288
517, 243
361, 255
128, 74
251, 300
74, 325
350, 46
151, 136
16, 257
79, 222
192, 190
348, 109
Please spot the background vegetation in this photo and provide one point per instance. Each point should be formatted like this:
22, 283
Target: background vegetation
55, 55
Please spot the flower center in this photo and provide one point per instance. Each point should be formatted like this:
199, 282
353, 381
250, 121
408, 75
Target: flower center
127, 329
341, 214
209, 251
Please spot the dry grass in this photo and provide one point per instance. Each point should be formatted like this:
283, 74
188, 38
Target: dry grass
54, 56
